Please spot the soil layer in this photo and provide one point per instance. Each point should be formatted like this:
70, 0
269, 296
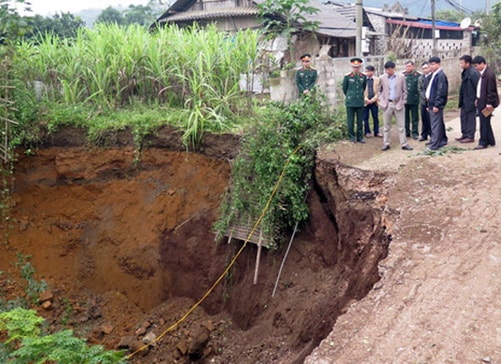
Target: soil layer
125, 244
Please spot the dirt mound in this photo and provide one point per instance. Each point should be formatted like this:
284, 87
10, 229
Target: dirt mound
126, 246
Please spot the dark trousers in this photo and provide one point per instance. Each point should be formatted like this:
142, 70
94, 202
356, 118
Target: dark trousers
438, 136
411, 117
351, 112
425, 123
468, 123
374, 110
486, 133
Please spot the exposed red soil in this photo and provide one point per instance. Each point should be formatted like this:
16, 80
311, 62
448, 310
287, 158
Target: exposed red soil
127, 247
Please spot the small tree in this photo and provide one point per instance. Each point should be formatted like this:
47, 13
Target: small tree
139, 14
26, 343
110, 16
64, 25
491, 36
12, 25
286, 17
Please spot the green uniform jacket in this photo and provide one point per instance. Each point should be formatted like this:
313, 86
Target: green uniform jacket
412, 80
306, 79
353, 89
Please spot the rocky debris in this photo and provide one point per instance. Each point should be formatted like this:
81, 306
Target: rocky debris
143, 328
150, 338
45, 296
107, 329
130, 342
45, 299
198, 345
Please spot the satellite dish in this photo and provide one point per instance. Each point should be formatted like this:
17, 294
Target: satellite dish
465, 23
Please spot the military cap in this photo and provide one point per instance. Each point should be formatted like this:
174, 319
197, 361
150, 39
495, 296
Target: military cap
356, 62
305, 57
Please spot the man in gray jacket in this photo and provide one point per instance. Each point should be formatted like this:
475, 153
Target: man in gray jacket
392, 98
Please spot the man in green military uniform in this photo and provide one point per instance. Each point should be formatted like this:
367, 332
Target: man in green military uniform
353, 88
306, 76
412, 104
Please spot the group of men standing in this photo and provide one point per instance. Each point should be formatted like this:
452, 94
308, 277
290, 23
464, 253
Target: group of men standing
405, 95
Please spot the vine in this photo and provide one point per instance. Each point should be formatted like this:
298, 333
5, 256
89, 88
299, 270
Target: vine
284, 133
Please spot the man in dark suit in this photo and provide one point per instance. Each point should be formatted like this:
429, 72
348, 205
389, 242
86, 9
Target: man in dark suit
487, 101
436, 94
467, 96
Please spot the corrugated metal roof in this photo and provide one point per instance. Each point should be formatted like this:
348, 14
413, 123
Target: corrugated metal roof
330, 22
426, 24
210, 14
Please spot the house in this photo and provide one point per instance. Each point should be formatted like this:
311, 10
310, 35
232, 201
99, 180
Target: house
335, 35
396, 32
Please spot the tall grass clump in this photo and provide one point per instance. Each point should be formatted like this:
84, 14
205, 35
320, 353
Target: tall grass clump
283, 139
195, 71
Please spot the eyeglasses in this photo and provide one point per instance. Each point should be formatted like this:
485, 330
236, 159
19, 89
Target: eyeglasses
306, 61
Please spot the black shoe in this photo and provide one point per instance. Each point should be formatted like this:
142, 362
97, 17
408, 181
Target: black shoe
385, 147
361, 141
422, 139
480, 146
407, 147
415, 137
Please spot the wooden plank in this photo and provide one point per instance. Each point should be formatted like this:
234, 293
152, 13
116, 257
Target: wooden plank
258, 259
242, 232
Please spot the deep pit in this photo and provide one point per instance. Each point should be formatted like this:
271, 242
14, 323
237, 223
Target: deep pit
125, 243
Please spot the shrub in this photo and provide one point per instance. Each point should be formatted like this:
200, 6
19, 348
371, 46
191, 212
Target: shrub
26, 343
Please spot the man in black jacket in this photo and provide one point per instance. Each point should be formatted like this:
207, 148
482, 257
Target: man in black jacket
467, 96
487, 101
436, 95
423, 81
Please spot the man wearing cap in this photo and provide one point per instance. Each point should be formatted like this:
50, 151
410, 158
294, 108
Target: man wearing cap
392, 96
436, 94
412, 103
353, 88
487, 101
306, 76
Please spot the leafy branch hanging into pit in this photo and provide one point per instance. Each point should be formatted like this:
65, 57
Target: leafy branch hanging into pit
281, 129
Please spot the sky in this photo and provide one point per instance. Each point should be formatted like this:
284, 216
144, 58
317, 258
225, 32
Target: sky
50, 7
416, 7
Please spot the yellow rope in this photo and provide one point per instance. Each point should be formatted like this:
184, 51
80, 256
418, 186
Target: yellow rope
214, 285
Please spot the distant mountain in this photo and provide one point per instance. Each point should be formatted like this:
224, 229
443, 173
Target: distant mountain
89, 16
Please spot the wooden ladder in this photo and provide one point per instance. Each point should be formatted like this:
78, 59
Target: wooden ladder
243, 232
5, 123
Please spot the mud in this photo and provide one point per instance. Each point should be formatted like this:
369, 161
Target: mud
125, 243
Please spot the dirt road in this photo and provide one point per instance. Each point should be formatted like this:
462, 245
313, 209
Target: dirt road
439, 299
